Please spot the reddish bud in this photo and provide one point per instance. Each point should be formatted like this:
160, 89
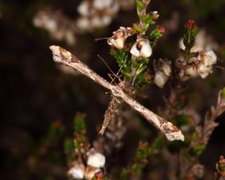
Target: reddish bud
99, 175
161, 29
191, 24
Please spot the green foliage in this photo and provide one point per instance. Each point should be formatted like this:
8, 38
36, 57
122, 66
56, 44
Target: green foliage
154, 35
138, 28
79, 123
140, 160
182, 120
74, 147
197, 150
140, 5
223, 93
121, 56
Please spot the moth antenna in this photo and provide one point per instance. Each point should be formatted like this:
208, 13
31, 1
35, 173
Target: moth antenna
100, 39
109, 68
220, 67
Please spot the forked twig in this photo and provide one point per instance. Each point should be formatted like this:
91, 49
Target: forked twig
63, 56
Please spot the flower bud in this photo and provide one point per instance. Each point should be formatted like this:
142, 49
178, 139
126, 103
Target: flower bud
191, 24
155, 15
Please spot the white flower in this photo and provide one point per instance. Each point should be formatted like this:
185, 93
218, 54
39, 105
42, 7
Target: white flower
117, 43
141, 48
208, 58
101, 4
83, 8
119, 37
83, 23
96, 160
199, 66
166, 68
203, 70
100, 21
191, 71
115, 7
163, 73
188, 72
160, 79
77, 171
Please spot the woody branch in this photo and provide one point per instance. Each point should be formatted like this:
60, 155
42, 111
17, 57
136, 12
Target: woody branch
63, 56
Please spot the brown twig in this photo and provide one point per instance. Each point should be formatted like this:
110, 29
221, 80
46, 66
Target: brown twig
63, 56
210, 117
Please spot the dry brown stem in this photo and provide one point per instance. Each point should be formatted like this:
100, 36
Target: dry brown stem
63, 56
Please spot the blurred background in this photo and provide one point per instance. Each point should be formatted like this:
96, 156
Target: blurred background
37, 96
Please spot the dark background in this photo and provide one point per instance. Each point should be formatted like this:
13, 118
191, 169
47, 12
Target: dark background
34, 93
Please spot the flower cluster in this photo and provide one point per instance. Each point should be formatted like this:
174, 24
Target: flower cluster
200, 65
85, 162
58, 26
197, 57
132, 46
140, 49
95, 161
163, 73
96, 14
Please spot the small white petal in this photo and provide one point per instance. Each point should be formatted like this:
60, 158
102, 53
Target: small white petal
160, 79
96, 160
98, 22
209, 58
203, 70
118, 43
83, 8
134, 51
83, 23
146, 50
155, 12
101, 4
181, 44
191, 71
77, 171
166, 69
115, 7
69, 36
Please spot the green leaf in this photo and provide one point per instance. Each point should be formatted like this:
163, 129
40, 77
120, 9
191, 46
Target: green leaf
140, 5
138, 28
79, 122
124, 63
